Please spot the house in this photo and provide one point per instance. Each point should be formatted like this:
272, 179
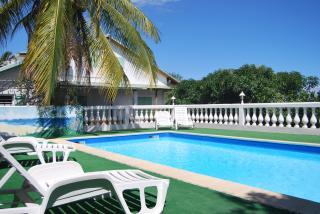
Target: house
86, 92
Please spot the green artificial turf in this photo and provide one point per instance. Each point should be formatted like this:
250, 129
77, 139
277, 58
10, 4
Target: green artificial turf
261, 135
181, 198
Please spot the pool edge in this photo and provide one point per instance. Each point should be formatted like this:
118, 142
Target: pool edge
231, 188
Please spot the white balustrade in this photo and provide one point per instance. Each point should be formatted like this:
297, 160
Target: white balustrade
259, 115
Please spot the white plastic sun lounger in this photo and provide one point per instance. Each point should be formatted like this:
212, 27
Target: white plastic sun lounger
36, 146
64, 182
163, 119
181, 118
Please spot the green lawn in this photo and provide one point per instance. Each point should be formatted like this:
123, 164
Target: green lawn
260, 135
182, 197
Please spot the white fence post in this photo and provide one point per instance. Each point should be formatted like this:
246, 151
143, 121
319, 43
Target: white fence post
242, 117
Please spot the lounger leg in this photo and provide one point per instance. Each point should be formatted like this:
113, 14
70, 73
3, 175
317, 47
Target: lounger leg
144, 207
122, 200
41, 155
66, 155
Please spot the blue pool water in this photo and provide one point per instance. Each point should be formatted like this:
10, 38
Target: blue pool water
288, 169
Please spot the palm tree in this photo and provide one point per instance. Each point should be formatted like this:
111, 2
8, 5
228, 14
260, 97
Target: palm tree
5, 56
61, 30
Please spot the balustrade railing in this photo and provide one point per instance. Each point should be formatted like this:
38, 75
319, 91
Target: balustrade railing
303, 116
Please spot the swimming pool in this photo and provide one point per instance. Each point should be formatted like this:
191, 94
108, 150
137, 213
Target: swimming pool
284, 168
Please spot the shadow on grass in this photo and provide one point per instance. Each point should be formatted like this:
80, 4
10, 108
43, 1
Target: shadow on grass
249, 206
105, 205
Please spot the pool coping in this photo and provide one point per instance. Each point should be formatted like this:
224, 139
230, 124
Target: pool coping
246, 192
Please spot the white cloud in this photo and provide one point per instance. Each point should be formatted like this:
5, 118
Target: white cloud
152, 2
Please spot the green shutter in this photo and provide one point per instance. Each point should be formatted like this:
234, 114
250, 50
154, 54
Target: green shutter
144, 100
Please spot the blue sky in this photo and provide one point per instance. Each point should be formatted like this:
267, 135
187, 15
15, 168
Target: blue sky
200, 36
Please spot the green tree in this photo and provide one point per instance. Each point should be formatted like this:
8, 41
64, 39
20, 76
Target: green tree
219, 87
187, 92
290, 84
60, 30
260, 84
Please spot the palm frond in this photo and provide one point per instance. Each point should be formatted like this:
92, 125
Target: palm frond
106, 63
133, 14
120, 29
45, 58
11, 12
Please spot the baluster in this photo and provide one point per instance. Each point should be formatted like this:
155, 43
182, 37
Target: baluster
267, 118
210, 116
220, 116
136, 116
305, 119
152, 119
254, 117
103, 116
231, 116
141, 116
313, 119
236, 117
248, 118
115, 116
201, 118
86, 119
92, 117
206, 117
148, 115
215, 117
274, 118
193, 118
260, 117
109, 116
281, 118
289, 119
225, 117
132, 115
297, 118
120, 118
197, 115
98, 119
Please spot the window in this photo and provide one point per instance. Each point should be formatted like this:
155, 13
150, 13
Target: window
144, 100
6, 99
